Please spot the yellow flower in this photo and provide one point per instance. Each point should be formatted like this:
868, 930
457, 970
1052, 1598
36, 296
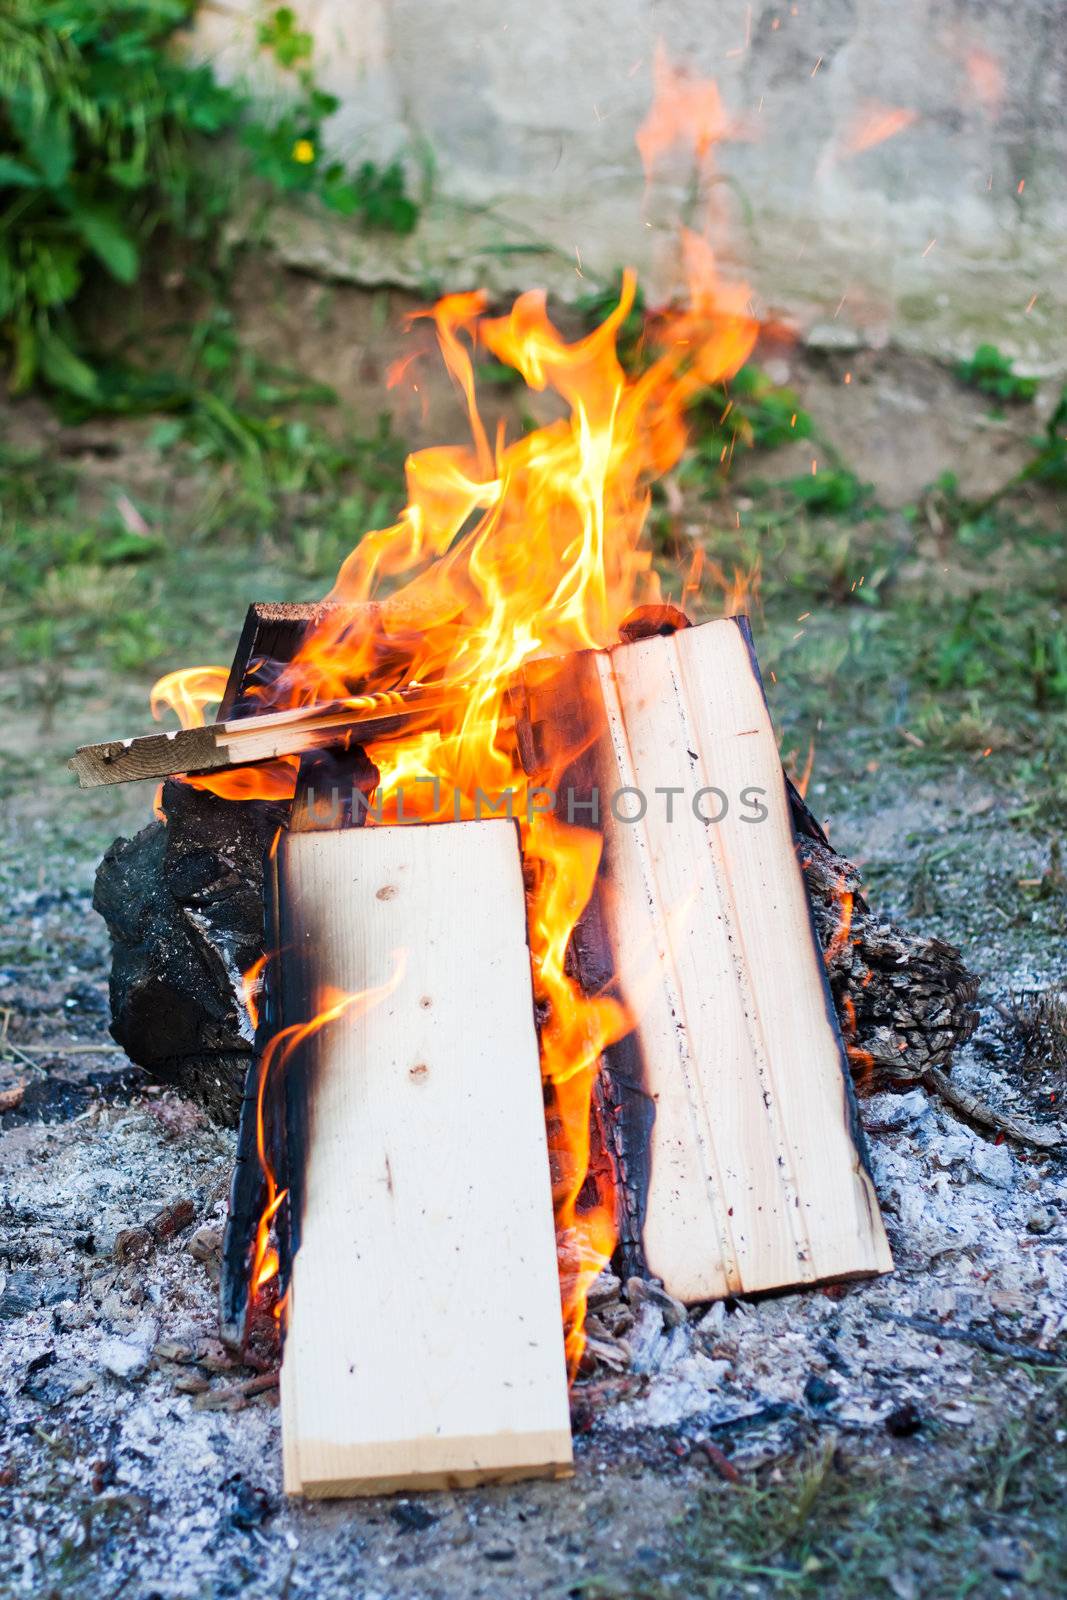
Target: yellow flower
304, 152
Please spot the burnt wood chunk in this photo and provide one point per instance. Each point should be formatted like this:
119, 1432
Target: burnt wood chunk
652, 622
183, 902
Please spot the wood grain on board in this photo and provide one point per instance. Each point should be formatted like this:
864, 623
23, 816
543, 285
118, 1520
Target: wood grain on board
754, 1176
425, 1344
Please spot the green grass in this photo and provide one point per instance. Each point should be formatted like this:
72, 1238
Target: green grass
923, 1517
250, 495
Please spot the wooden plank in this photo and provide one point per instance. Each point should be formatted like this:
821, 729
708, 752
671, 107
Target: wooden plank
243, 740
424, 1347
270, 638
756, 1175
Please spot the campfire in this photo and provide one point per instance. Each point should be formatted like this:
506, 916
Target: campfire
555, 969
521, 745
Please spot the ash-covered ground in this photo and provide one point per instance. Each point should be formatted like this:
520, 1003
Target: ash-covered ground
136, 1459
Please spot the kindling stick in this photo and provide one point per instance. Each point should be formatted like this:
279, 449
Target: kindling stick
243, 741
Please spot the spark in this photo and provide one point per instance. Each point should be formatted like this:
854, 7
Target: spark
1022, 186
929, 247
840, 303
578, 258
817, 65
1031, 303
848, 377
814, 467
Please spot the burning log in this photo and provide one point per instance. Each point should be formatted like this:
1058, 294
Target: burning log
403, 1076
741, 1164
905, 1003
184, 906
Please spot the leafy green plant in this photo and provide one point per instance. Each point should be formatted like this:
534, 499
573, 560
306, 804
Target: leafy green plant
106, 134
762, 413
96, 119
1046, 468
992, 372
1048, 465
833, 492
749, 413
288, 153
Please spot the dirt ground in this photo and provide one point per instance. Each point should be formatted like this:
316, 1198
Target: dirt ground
800, 1444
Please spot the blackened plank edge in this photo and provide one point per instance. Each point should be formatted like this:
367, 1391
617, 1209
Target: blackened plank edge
622, 1110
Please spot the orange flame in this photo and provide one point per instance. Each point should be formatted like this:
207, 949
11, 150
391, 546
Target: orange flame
276, 1057
186, 693
251, 988
505, 552
685, 111
844, 899
986, 77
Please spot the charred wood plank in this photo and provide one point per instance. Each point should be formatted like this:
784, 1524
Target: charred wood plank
243, 741
280, 1104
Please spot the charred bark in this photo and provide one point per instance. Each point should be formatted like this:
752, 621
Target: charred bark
326, 785
183, 902
904, 1002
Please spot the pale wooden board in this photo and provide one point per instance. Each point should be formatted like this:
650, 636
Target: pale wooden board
425, 1344
756, 1181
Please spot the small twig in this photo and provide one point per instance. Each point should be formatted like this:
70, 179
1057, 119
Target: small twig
981, 1341
718, 1459
237, 1391
68, 1049
18, 1054
968, 1105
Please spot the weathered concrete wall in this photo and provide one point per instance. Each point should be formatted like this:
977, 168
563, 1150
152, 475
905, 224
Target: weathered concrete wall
530, 113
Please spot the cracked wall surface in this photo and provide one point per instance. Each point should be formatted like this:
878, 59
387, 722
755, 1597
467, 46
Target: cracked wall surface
935, 237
